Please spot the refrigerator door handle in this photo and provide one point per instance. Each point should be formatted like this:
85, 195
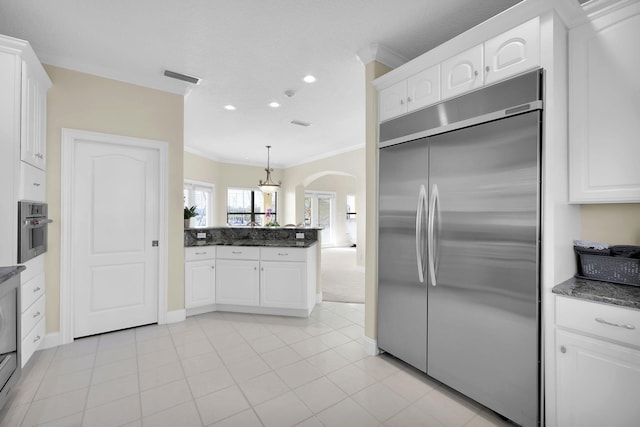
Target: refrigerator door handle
422, 198
433, 201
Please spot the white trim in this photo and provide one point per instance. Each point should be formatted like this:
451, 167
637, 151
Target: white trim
175, 316
382, 54
318, 297
69, 139
370, 346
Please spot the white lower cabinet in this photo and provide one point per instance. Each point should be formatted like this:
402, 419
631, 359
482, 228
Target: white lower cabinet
597, 373
199, 277
238, 282
265, 280
32, 307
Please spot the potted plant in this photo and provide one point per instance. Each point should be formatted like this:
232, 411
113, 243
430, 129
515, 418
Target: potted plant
188, 214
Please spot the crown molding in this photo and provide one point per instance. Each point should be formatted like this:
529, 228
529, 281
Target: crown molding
382, 54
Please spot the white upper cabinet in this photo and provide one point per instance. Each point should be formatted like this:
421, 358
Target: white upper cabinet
512, 52
34, 113
417, 91
604, 108
462, 72
392, 101
423, 88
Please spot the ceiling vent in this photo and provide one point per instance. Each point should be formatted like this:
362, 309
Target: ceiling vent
300, 123
183, 77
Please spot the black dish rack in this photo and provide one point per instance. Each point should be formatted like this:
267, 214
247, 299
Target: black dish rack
617, 264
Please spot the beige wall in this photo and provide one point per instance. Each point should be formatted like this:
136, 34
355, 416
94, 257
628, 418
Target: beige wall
86, 102
372, 70
616, 224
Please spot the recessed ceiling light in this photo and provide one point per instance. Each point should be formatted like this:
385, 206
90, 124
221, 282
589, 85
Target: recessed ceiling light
309, 78
229, 107
274, 104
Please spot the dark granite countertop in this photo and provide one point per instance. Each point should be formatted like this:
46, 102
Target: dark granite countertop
7, 273
594, 290
256, 242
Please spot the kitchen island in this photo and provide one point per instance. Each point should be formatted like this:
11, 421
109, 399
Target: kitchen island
262, 270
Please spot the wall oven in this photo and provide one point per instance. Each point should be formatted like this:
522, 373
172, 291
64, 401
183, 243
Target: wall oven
32, 229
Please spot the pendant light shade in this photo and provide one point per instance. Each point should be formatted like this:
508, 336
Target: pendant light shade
268, 186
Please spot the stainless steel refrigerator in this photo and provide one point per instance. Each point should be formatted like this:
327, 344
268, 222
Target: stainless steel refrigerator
459, 231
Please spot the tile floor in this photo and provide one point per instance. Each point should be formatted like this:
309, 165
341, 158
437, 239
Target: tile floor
227, 369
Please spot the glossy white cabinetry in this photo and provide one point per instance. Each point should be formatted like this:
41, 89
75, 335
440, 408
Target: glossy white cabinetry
512, 52
199, 276
463, 72
34, 123
238, 278
266, 280
32, 183
419, 90
597, 364
604, 107
32, 307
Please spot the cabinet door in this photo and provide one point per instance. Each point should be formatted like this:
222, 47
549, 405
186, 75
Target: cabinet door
392, 101
32, 183
604, 107
283, 284
423, 88
33, 123
237, 282
598, 383
462, 72
199, 283
512, 52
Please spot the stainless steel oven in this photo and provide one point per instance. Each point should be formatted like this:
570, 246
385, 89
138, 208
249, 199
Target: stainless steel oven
32, 229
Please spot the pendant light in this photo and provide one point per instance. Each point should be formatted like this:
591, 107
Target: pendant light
269, 186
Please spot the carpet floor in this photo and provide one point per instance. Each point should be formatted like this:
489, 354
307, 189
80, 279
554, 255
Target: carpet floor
341, 279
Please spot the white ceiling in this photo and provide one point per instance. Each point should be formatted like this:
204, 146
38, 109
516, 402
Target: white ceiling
248, 53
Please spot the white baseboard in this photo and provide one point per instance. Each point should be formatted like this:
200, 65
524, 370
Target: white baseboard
318, 297
370, 346
176, 316
52, 339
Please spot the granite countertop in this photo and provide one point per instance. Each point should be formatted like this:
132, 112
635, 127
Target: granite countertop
7, 273
256, 242
594, 290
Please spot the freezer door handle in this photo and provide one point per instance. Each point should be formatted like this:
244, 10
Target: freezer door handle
433, 201
422, 199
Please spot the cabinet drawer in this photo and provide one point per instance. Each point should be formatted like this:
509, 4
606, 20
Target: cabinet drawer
199, 252
31, 291
32, 341
32, 183
283, 254
603, 320
34, 266
32, 316
238, 252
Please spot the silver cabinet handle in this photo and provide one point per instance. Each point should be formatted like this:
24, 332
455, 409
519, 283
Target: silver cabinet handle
408, 99
36, 184
402, 102
625, 326
422, 196
36, 314
283, 254
201, 253
563, 349
36, 339
36, 289
236, 252
433, 201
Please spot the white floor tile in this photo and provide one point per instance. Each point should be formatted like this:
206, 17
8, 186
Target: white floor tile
183, 415
115, 370
309, 347
53, 385
100, 394
155, 377
246, 418
266, 343
347, 413
157, 358
52, 408
328, 361
283, 411
201, 363
351, 379
299, 373
412, 417
376, 366
380, 401
210, 381
248, 368
263, 388
281, 357
221, 404
115, 413
320, 394
163, 397
411, 387
447, 408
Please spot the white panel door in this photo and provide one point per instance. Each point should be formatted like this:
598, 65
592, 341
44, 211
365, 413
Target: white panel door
424, 88
392, 101
237, 282
283, 284
114, 221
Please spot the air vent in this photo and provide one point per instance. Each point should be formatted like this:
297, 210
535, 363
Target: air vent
300, 123
183, 77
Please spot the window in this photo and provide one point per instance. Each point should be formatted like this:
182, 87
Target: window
200, 195
247, 207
